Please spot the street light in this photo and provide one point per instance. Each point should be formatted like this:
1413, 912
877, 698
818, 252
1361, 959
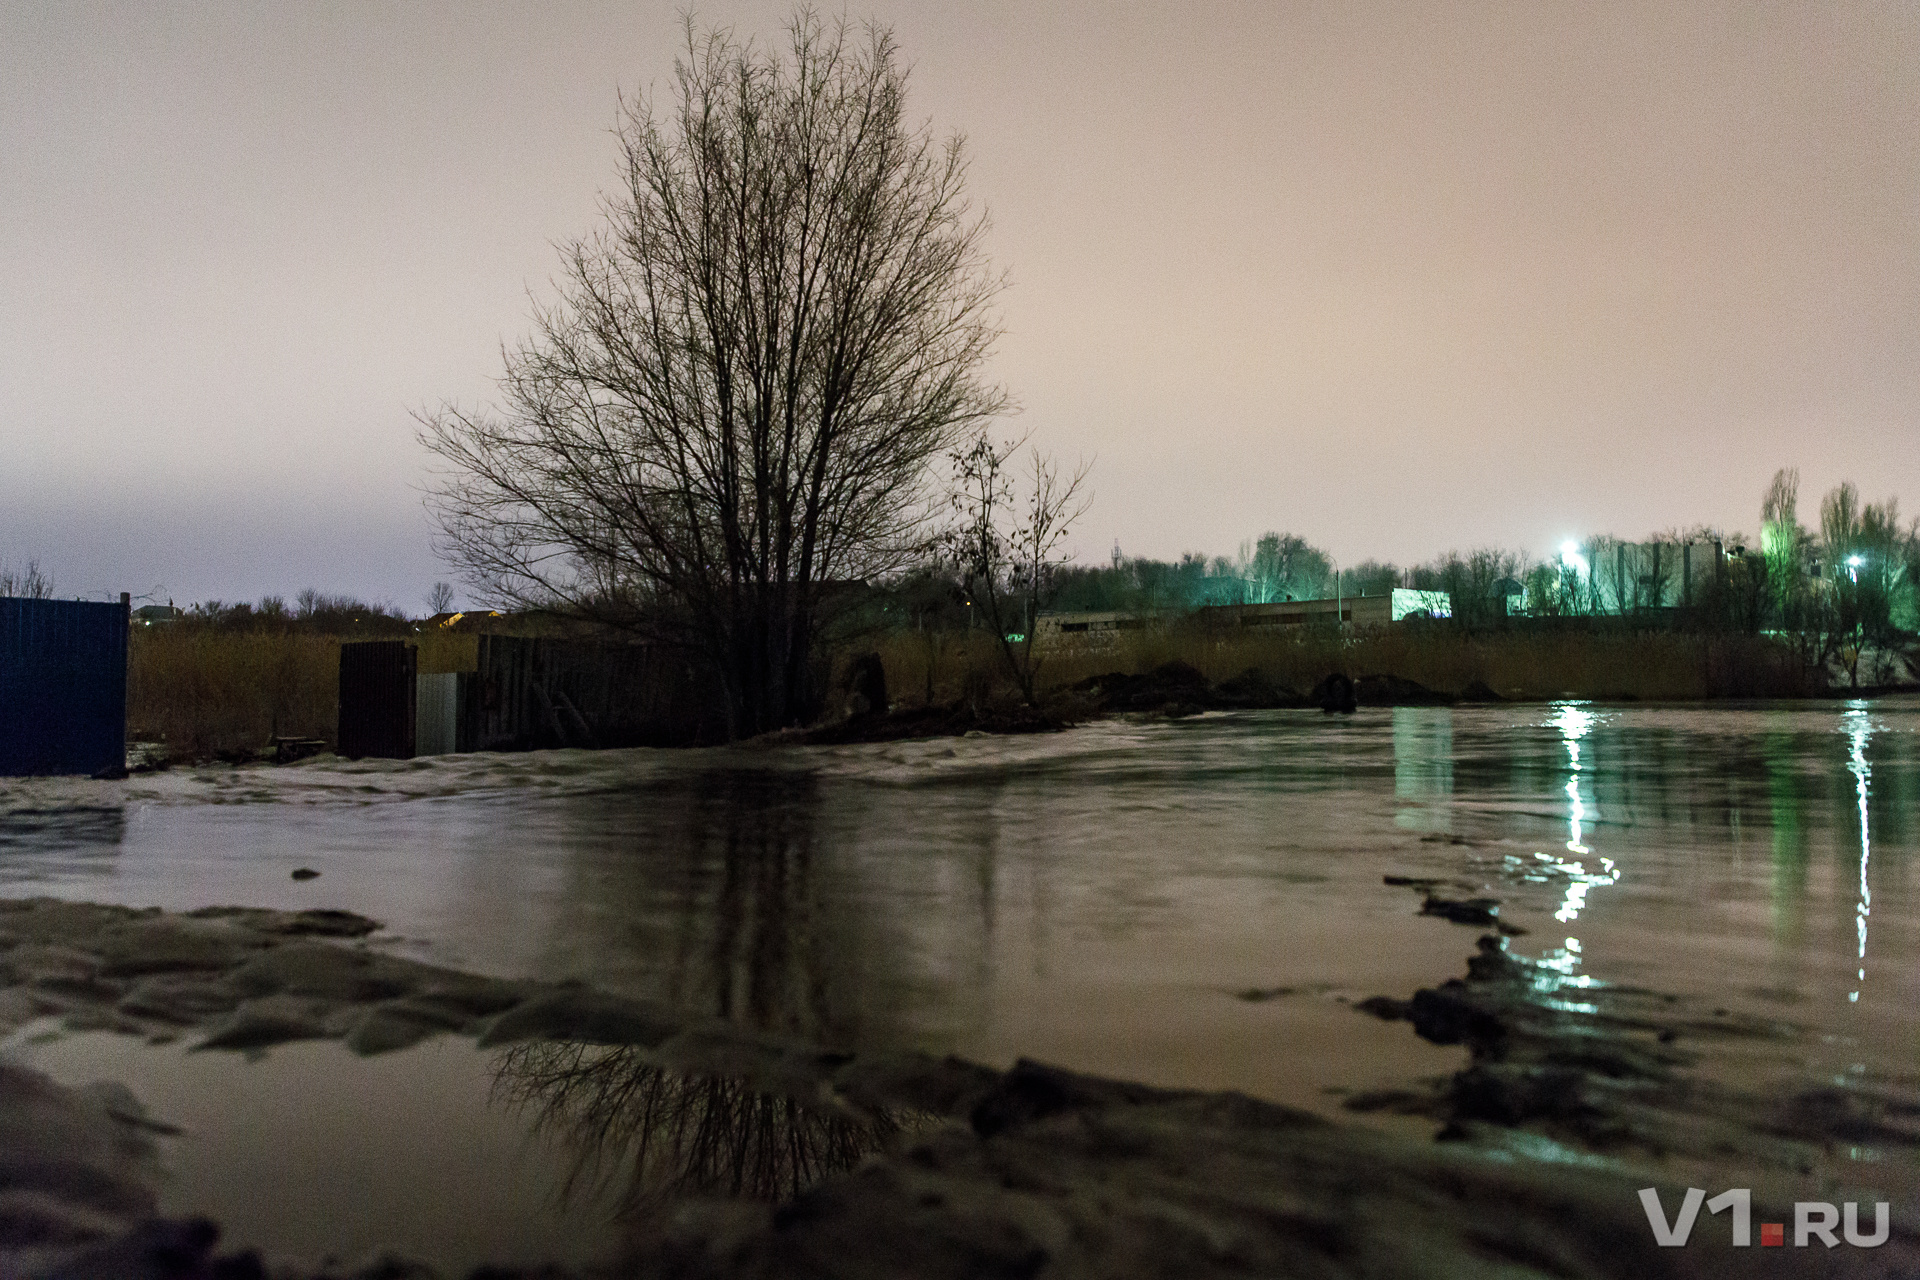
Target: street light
1853, 568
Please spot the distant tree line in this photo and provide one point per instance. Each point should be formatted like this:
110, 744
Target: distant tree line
1269, 569
1852, 582
311, 612
1832, 592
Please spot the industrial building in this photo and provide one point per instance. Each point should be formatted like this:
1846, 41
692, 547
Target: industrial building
1100, 630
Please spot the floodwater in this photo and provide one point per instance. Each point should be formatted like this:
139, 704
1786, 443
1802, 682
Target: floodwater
1107, 898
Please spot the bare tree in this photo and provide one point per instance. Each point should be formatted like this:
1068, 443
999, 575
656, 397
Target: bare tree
1840, 519
1547, 592
440, 599
664, 1133
751, 370
1476, 584
1782, 541
1371, 578
28, 583
1284, 566
1866, 554
1005, 546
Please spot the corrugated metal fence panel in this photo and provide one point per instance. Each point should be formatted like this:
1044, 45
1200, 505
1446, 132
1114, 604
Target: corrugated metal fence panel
63, 686
436, 717
376, 699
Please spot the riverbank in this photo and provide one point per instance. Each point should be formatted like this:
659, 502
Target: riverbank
900, 1163
1616, 663
207, 693
1173, 689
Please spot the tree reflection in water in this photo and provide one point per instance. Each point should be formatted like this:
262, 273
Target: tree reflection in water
645, 1134
731, 858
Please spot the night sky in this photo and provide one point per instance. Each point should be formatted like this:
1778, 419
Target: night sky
1397, 277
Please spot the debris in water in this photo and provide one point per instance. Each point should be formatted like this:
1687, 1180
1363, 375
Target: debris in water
1480, 911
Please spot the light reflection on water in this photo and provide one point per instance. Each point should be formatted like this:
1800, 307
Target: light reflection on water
1096, 897
1859, 730
1574, 720
1557, 965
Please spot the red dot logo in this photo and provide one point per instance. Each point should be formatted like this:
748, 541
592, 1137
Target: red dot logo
1773, 1233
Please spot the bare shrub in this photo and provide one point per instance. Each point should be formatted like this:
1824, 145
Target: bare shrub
29, 583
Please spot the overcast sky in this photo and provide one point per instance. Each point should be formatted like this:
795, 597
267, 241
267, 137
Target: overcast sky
1398, 277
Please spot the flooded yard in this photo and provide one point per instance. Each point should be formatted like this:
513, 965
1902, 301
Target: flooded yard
1191, 903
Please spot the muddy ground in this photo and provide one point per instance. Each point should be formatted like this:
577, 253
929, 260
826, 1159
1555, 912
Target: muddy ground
1173, 689
784, 1158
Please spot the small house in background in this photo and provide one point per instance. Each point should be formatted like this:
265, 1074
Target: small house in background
1352, 611
1409, 603
465, 620
63, 686
153, 615
1095, 630
1361, 611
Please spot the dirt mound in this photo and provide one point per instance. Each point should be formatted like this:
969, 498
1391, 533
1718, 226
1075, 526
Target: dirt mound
1398, 691
1335, 693
947, 721
1176, 688
1600, 1067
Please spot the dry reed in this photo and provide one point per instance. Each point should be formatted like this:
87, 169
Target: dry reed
208, 692
204, 692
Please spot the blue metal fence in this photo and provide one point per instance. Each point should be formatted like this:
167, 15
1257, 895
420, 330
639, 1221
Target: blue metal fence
63, 686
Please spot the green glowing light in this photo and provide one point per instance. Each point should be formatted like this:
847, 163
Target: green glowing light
1433, 604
